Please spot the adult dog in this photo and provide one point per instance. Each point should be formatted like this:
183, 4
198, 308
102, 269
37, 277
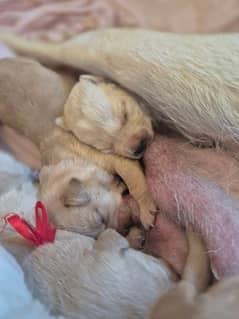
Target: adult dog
188, 81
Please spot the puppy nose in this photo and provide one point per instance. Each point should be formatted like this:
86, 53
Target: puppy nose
141, 147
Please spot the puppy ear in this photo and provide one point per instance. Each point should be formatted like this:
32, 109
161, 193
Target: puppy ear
111, 240
60, 122
75, 195
92, 78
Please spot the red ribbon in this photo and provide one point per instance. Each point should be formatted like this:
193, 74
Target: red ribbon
42, 233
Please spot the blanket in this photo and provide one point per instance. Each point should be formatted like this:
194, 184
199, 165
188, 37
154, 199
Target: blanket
15, 298
56, 20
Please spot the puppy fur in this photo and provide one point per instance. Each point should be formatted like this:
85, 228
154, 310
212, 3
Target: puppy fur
106, 117
188, 81
95, 279
34, 116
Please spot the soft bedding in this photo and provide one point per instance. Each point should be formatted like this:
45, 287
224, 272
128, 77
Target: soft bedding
16, 300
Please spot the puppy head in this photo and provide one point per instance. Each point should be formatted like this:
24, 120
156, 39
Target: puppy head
79, 197
106, 117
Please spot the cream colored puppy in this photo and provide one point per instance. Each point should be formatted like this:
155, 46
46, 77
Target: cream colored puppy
101, 114
85, 279
188, 81
80, 196
24, 107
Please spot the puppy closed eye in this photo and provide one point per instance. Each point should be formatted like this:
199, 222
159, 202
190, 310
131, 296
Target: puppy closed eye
124, 114
75, 195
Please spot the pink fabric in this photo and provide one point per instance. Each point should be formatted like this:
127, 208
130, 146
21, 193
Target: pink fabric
56, 20
59, 19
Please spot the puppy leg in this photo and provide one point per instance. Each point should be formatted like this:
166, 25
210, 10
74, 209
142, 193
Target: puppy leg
111, 239
134, 178
136, 237
196, 271
179, 302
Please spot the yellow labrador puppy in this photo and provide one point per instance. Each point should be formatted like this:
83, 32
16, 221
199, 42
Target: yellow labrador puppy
78, 277
103, 115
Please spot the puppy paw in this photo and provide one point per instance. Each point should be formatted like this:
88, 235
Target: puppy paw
136, 237
147, 214
118, 185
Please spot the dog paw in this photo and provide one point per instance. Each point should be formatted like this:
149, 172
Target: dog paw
147, 214
147, 220
136, 237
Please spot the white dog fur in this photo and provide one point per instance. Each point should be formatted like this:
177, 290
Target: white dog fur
80, 278
189, 81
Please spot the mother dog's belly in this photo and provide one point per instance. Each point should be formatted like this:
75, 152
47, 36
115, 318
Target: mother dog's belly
185, 189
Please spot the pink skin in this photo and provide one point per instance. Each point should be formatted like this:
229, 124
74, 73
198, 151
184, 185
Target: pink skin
191, 198
58, 20
166, 240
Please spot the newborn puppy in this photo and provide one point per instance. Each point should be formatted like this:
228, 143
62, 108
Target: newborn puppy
80, 196
34, 114
78, 277
101, 114
81, 278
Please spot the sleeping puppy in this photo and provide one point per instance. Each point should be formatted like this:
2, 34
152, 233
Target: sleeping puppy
33, 114
188, 81
78, 277
96, 106
80, 196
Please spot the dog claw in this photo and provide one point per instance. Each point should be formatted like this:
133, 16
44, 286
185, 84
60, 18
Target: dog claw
147, 221
136, 238
154, 212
